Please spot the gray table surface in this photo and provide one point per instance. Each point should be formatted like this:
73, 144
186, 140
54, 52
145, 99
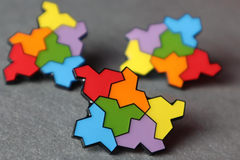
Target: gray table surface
37, 119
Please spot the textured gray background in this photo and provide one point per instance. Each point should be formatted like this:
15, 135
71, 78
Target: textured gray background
37, 119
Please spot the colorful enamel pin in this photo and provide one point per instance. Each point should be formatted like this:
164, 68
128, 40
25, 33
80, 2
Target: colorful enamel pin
170, 48
53, 48
120, 114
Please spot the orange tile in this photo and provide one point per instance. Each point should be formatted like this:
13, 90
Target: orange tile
126, 93
32, 43
173, 66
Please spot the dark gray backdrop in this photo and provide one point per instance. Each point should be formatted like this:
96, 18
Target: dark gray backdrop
37, 119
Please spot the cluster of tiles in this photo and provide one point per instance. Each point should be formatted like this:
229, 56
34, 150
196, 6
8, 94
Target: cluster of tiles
53, 48
170, 48
120, 114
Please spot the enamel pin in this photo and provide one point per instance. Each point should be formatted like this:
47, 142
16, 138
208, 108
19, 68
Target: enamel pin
120, 114
53, 48
169, 47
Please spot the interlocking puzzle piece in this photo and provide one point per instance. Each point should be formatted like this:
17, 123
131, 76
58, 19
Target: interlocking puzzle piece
126, 93
129, 124
173, 65
141, 132
118, 119
54, 51
32, 43
91, 129
52, 18
138, 61
97, 84
172, 43
62, 73
148, 40
199, 63
72, 37
22, 64
187, 26
162, 112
